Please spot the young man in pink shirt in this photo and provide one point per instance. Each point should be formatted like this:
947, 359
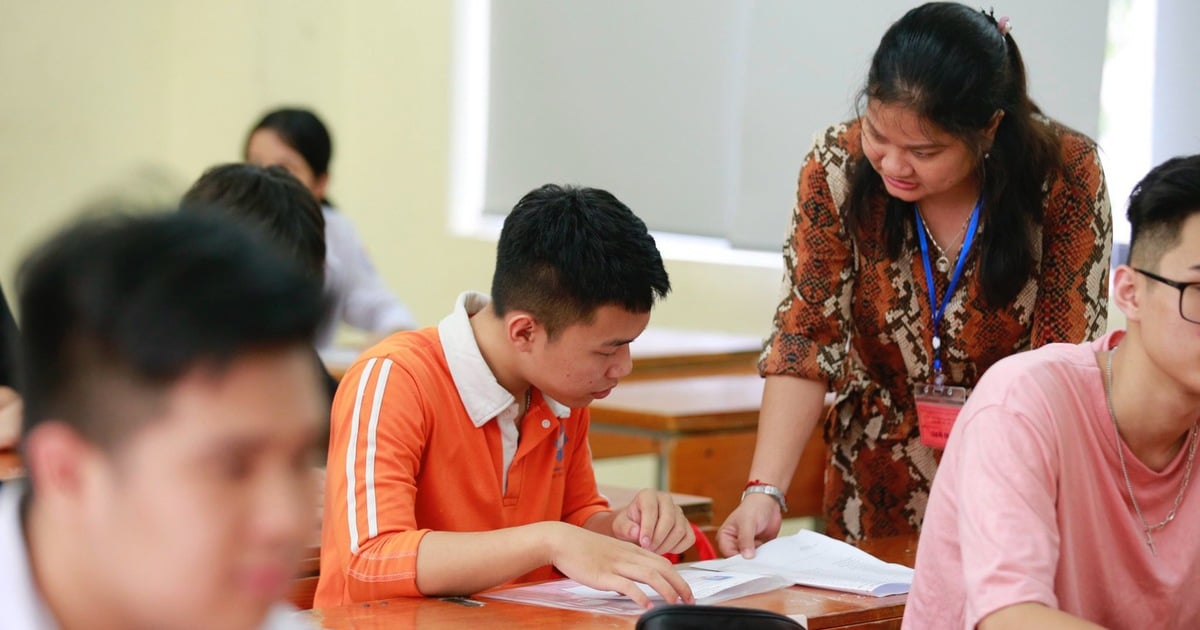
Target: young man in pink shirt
1063, 499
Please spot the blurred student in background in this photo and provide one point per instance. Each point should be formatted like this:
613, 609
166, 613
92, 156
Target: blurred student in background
298, 141
274, 203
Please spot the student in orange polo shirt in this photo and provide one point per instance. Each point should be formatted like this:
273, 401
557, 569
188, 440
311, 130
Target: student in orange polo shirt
459, 457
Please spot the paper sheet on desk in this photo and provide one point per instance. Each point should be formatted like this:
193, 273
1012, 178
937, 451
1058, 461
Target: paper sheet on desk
812, 559
708, 587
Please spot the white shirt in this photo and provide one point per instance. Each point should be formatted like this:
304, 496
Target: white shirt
21, 604
357, 293
480, 392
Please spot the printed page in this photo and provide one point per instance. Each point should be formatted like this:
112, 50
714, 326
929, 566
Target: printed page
812, 559
709, 587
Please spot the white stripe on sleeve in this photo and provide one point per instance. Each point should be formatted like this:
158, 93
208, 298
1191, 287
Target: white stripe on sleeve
351, 503
380, 386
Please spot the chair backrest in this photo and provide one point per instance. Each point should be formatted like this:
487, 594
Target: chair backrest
302, 591
685, 617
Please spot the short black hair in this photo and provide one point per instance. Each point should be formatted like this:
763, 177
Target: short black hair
1158, 207
270, 199
115, 309
566, 251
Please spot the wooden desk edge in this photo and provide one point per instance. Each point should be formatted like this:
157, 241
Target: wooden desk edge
885, 611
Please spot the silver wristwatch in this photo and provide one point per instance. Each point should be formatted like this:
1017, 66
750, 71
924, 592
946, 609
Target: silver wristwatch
772, 491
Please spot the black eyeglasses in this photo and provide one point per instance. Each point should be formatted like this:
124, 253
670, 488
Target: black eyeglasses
1189, 295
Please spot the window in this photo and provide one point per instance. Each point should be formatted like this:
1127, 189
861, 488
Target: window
1126, 98
696, 113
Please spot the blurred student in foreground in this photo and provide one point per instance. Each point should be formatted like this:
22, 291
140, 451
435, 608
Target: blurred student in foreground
1064, 500
170, 404
459, 455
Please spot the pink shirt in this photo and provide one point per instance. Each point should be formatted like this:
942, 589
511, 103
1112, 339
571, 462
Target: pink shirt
1030, 505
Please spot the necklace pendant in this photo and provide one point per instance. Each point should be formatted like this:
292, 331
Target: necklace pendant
1150, 544
943, 264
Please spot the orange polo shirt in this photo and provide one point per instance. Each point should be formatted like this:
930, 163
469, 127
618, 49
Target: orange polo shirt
421, 432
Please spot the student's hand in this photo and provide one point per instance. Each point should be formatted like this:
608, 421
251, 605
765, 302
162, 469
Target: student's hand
605, 563
653, 522
756, 520
10, 417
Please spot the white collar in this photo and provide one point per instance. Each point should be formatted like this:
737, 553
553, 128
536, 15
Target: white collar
481, 394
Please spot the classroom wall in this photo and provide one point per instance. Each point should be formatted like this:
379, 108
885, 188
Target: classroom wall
82, 110
134, 98
137, 97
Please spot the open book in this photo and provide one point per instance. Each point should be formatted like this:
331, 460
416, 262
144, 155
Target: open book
812, 559
709, 587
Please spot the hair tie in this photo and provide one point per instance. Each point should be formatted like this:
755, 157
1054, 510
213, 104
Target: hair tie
1004, 26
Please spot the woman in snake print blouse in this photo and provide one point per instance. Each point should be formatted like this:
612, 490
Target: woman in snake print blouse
949, 157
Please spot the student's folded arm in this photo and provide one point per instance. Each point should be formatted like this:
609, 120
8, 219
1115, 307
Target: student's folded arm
1072, 294
462, 563
1007, 494
377, 438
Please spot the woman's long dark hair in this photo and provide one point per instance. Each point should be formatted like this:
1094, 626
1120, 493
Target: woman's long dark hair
304, 132
952, 66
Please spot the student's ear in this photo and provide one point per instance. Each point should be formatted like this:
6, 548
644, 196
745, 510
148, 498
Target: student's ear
523, 330
1125, 292
320, 183
56, 457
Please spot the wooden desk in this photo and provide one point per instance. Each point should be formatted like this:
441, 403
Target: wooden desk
824, 609
656, 353
702, 429
667, 352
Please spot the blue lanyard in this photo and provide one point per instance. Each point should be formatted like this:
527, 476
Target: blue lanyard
937, 311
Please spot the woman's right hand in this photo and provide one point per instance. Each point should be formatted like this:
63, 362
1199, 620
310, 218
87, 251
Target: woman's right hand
755, 521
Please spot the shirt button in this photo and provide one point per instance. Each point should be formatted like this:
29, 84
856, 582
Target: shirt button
545, 424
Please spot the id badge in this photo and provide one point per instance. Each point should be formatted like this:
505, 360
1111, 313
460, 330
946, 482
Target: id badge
937, 409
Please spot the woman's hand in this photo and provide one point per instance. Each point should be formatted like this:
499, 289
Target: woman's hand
755, 521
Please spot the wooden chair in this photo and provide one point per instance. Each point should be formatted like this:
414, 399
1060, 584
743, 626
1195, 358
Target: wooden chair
302, 591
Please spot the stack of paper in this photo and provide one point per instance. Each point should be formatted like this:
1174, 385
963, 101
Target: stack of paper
709, 587
812, 559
